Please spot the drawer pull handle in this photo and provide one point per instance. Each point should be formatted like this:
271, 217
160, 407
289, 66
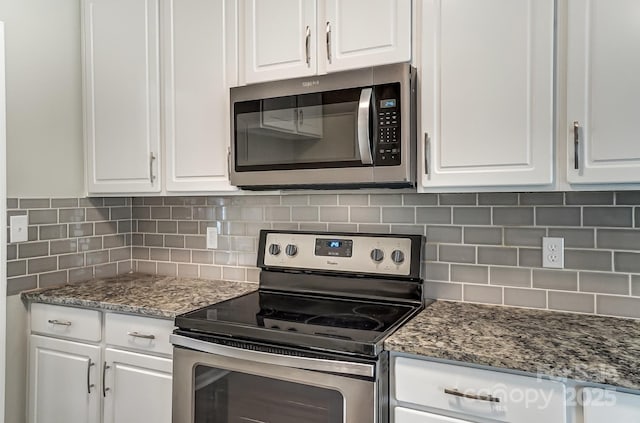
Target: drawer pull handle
457, 393
141, 335
59, 322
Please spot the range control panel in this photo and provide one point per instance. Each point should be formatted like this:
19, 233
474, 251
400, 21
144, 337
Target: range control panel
340, 252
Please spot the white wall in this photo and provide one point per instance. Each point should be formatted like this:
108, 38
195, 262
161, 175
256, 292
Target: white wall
44, 135
44, 98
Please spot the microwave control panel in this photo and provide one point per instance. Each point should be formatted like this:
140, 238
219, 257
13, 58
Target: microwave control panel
386, 109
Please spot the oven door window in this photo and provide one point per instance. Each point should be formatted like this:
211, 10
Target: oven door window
309, 131
223, 396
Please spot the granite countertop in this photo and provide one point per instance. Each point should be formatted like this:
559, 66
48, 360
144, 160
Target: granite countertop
587, 348
149, 295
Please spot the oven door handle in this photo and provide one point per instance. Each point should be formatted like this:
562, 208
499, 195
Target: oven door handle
304, 363
364, 143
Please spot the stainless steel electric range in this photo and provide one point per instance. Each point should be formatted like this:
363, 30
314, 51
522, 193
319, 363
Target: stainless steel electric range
307, 346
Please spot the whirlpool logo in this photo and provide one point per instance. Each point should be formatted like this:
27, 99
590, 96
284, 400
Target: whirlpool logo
309, 84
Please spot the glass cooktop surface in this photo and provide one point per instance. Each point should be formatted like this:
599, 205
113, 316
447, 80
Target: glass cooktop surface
268, 315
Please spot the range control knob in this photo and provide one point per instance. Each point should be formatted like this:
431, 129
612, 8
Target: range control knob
377, 255
274, 249
291, 250
397, 256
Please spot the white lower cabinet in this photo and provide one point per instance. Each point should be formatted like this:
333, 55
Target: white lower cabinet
607, 406
406, 415
63, 381
474, 394
86, 366
137, 387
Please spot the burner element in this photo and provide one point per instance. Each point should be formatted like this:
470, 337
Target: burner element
350, 321
375, 311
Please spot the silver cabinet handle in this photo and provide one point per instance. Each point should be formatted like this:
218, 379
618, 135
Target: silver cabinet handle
89, 384
141, 335
59, 322
364, 145
457, 393
576, 145
104, 380
328, 34
300, 117
152, 157
426, 153
307, 46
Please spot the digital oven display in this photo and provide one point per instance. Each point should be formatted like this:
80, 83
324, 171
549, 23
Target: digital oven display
334, 247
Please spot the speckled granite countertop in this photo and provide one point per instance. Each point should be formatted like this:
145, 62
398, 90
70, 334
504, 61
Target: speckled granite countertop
149, 295
582, 347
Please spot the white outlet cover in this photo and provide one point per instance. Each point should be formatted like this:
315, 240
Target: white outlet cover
18, 228
212, 238
553, 253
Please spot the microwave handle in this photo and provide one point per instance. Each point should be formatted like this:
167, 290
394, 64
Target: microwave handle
364, 145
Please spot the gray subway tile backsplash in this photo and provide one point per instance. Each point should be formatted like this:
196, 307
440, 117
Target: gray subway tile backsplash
570, 301
608, 216
482, 235
513, 216
618, 239
558, 216
604, 283
589, 198
471, 216
561, 280
482, 247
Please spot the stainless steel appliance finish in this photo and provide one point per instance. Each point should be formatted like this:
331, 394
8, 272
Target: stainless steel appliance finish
347, 129
307, 346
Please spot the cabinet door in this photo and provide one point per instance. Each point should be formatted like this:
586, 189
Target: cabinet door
361, 33
63, 381
198, 44
487, 92
605, 406
137, 388
279, 39
603, 91
121, 89
406, 415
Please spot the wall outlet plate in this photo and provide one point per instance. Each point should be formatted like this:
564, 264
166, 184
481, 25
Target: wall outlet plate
553, 252
212, 238
18, 228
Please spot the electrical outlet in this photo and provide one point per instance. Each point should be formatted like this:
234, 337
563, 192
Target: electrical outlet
18, 231
553, 252
212, 238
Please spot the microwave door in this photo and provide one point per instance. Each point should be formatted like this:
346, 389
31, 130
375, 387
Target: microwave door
364, 123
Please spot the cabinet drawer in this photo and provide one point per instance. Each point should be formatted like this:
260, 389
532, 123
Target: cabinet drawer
405, 415
479, 393
138, 333
68, 322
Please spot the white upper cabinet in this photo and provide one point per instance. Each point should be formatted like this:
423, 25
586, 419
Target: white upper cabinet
361, 33
122, 95
603, 91
487, 69
281, 39
157, 74
198, 42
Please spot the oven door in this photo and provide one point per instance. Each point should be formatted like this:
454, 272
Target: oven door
215, 383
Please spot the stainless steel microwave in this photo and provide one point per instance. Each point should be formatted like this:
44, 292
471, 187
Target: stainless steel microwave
352, 129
